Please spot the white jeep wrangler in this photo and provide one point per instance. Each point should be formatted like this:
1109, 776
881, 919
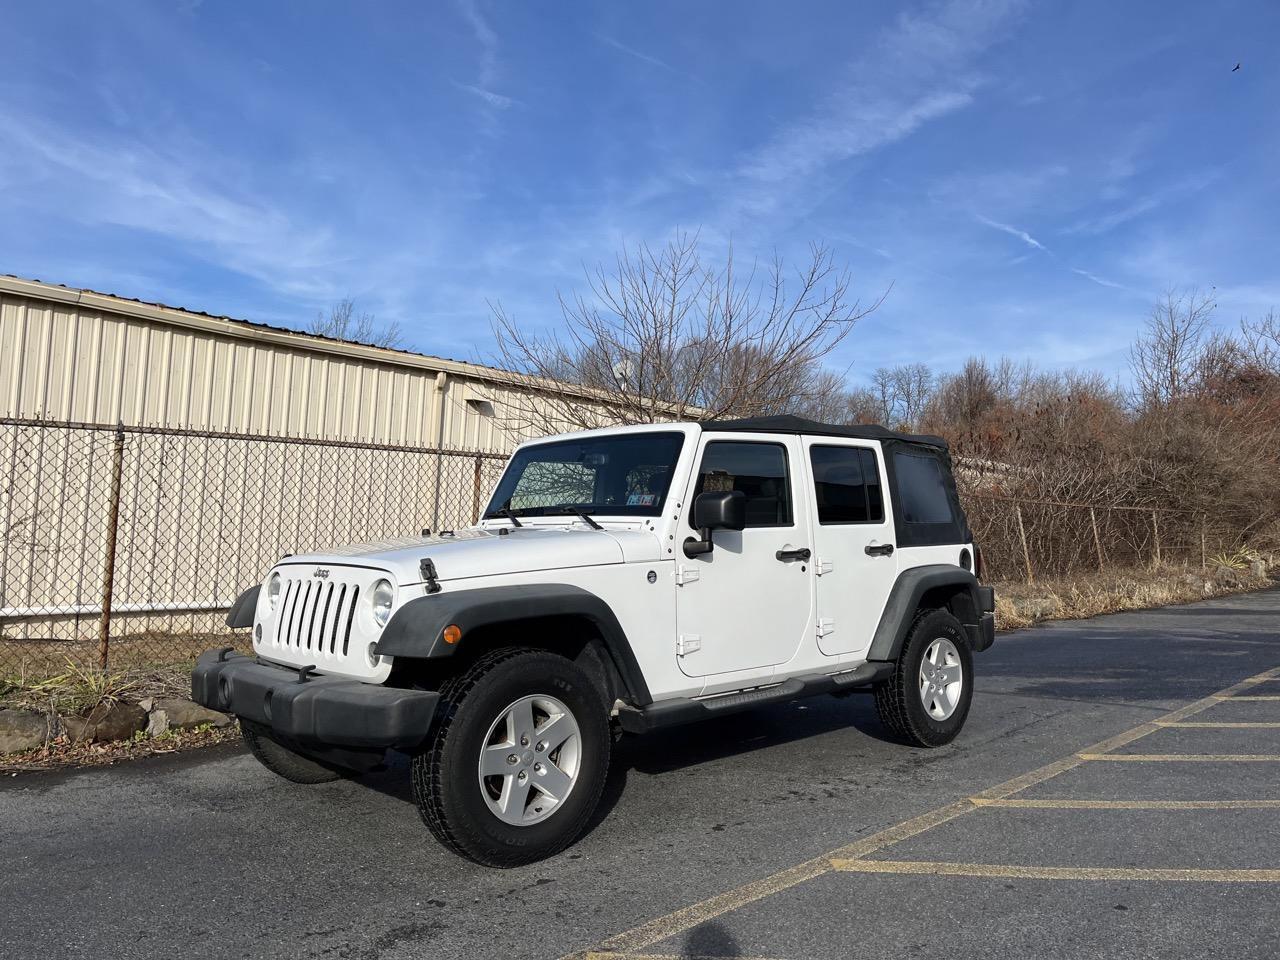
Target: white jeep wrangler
620, 580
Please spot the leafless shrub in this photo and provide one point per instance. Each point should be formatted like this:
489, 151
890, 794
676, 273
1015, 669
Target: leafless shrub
343, 323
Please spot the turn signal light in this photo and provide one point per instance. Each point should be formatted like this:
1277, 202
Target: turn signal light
452, 634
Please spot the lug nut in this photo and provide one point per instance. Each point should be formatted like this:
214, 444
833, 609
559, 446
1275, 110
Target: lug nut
524, 739
537, 767
512, 759
542, 745
522, 776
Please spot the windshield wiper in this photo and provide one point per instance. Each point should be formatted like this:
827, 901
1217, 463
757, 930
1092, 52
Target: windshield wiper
580, 514
509, 514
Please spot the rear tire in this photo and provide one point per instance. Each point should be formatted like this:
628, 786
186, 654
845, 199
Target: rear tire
502, 812
282, 760
926, 700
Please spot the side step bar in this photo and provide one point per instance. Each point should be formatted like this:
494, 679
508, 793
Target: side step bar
667, 713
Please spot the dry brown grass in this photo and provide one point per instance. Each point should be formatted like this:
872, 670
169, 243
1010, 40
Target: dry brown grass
1073, 598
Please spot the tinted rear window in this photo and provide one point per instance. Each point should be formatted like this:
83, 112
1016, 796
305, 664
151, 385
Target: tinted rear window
921, 489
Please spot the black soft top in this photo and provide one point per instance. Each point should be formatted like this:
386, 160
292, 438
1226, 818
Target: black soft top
790, 424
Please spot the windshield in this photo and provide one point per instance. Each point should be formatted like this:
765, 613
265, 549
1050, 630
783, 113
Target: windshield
625, 475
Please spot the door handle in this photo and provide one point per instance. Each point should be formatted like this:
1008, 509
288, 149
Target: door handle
800, 553
879, 550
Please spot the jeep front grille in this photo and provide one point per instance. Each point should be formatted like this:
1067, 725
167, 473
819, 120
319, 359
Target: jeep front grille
322, 619
317, 615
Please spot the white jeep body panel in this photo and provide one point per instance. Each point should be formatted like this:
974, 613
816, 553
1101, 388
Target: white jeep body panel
735, 618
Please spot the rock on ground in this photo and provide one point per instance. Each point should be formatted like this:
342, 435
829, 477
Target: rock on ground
106, 721
22, 730
182, 715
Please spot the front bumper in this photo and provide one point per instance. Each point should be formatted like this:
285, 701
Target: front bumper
313, 709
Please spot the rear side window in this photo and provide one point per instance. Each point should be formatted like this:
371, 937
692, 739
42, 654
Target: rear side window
759, 470
846, 483
921, 489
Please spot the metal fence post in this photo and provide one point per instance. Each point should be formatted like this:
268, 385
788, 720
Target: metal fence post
1155, 530
1022, 535
475, 490
109, 560
1097, 540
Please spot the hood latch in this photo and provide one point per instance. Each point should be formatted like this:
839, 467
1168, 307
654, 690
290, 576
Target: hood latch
428, 571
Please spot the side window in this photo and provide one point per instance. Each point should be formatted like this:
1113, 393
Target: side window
759, 470
921, 490
846, 485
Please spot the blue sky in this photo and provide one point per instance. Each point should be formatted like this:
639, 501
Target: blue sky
1027, 176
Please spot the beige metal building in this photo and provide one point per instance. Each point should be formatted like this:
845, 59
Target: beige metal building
81, 356
241, 442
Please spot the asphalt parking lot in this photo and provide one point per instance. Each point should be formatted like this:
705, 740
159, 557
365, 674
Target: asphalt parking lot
1115, 793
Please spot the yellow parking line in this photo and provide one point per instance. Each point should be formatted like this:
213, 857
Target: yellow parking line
1067, 804
1184, 757
1225, 725
926, 868
661, 928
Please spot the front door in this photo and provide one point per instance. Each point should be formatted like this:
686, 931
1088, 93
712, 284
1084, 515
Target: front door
748, 604
853, 543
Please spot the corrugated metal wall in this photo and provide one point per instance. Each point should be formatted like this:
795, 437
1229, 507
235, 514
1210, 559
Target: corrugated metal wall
73, 356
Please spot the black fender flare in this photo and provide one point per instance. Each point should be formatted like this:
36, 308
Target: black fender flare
416, 629
909, 589
241, 612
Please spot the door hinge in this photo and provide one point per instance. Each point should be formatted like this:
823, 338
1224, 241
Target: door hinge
825, 626
686, 575
822, 566
687, 644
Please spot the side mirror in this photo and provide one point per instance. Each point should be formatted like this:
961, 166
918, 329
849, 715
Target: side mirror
717, 510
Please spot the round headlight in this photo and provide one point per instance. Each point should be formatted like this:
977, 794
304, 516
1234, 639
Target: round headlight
273, 591
382, 596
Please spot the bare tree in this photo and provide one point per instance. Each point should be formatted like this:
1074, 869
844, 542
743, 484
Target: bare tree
664, 334
913, 385
343, 323
1165, 357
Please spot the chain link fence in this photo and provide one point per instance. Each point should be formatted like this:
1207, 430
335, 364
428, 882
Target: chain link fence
1022, 539
125, 546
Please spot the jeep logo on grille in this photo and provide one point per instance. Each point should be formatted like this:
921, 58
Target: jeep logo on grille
322, 573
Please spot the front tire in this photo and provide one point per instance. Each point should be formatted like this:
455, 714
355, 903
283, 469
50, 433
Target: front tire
281, 760
926, 700
518, 759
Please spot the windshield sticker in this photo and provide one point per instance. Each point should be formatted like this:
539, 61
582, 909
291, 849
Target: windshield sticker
641, 499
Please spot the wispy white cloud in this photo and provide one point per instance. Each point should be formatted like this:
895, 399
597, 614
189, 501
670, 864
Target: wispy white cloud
486, 38
1099, 280
633, 52
496, 100
1022, 235
923, 67
489, 68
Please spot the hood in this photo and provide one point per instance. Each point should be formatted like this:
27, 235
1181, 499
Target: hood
486, 553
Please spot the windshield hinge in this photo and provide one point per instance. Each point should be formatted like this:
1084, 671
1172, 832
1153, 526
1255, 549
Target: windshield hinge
688, 643
686, 575
428, 571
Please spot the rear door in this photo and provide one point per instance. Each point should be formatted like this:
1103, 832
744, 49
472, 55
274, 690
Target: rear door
854, 560
747, 605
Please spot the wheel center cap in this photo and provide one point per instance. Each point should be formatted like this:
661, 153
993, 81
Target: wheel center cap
526, 758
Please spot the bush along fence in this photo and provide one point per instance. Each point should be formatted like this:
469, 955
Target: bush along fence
123, 547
